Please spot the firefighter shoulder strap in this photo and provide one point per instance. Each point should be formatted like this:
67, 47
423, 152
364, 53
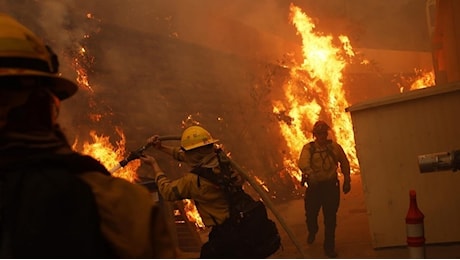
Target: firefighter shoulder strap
329, 150
47, 211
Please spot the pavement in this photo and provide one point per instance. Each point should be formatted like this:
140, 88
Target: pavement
353, 237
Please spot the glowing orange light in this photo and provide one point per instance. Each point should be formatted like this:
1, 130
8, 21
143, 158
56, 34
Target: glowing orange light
261, 183
420, 79
192, 213
102, 149
423, 80
315, 90
79, 62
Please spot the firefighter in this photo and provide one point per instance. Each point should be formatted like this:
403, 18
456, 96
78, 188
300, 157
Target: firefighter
49, 209
319, 161
198, 150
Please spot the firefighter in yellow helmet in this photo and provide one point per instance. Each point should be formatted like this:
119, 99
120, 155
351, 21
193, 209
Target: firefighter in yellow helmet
319, 161
57, 203
198, 149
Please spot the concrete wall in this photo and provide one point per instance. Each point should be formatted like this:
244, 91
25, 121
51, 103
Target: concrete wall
390, 133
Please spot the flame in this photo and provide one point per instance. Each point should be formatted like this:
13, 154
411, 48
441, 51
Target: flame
192, 213
102, 149
420, 79
79, 62
314, 90
423, 80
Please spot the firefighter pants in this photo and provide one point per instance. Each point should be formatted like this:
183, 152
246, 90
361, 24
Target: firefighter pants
325, 195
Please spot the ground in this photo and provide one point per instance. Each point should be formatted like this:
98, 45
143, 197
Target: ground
353, 236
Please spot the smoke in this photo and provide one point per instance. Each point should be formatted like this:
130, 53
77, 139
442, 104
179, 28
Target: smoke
55, 18
153, 63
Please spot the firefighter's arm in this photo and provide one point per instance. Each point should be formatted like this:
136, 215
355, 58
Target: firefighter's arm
344, 162
345, 169
152, 162
170, 190
304, 164
179, 189
175, 152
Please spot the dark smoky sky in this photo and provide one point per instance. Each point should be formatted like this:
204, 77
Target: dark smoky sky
151, 63
392, 24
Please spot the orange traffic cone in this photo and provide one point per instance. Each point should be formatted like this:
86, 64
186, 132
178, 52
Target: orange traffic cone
415, 229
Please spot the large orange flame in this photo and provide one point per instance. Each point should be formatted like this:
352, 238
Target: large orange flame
102, 149
315, 91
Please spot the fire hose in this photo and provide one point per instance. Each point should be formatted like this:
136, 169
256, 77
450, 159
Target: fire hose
268, 202
136, 154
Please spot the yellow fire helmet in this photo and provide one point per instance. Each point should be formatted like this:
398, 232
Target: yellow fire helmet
194, 137
23, 54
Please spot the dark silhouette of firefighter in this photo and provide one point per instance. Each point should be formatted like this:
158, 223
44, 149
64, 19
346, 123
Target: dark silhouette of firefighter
319, 161
55, 202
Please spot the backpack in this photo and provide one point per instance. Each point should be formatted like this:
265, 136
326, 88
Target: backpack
47, 211
253, 234
329, 151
